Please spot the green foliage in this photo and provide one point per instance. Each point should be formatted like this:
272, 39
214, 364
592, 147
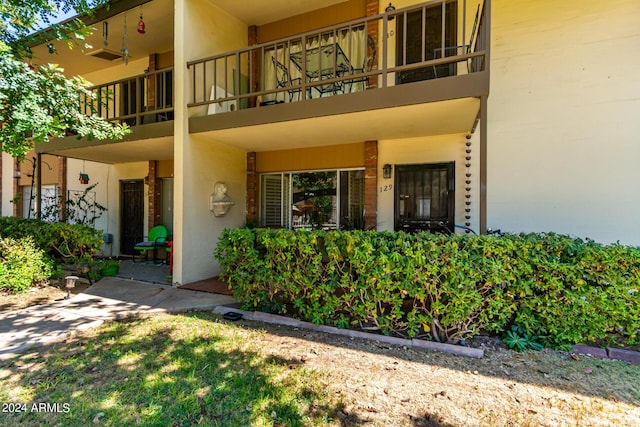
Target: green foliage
41, 101
20, 19
519, 340
555, 288
69, 242
46, 104
22, 264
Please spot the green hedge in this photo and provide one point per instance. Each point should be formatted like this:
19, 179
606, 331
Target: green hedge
65, 242
562, 289
22, 264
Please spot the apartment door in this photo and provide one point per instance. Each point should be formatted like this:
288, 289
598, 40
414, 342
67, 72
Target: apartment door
425, 32
425, 197
131, 215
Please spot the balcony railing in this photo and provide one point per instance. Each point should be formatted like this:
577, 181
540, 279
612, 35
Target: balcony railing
142, 99
432, 40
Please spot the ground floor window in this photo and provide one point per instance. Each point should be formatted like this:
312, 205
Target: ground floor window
425, 197
316, 199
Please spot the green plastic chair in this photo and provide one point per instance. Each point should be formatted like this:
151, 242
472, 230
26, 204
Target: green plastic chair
158, 238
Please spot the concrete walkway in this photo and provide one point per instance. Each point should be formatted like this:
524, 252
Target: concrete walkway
109, 299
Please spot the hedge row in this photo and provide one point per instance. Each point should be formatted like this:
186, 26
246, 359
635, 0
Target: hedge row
22, 265
561, 289
69, 243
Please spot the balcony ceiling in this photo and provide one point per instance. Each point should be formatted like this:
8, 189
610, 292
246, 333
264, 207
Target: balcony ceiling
158, 18
437, 118
260, 12
116, 152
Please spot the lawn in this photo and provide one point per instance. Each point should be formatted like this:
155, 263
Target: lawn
195, 369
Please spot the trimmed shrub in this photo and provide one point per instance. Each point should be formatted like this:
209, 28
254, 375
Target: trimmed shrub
560, 289
66, 242
22, 265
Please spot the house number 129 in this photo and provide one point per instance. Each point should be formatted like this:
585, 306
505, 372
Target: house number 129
385, 188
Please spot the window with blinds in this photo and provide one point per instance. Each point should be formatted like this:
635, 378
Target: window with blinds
271, 203
320, 199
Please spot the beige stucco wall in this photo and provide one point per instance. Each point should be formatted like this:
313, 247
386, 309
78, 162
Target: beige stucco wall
201, 30
435, 149
563, 118
107, 190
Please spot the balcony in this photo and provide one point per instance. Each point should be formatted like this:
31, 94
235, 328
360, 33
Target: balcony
364, 79
145, 103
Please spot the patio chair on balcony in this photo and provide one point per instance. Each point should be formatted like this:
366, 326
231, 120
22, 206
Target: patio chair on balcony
284, 80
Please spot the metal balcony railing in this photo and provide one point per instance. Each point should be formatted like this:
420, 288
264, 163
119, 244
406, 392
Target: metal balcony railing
431, 40
142, 99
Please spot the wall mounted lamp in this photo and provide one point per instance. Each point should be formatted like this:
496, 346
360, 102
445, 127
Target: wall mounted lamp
386, 171
390, 9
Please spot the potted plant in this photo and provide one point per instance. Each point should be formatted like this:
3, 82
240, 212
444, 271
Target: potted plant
108, 267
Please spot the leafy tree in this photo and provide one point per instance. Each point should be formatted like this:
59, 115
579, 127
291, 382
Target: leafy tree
42, 101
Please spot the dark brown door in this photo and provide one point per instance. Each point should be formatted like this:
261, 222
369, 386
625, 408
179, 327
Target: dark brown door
425, 197
131, 215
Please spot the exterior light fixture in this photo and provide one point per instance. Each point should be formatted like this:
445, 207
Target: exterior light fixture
390, 9
70, 283
386, 171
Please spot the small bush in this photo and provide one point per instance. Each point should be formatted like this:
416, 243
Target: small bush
559, 289
68, 242
22, 265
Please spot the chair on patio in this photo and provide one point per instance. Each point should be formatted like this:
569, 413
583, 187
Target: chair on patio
158, 238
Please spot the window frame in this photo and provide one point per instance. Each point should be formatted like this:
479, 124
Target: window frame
288, 222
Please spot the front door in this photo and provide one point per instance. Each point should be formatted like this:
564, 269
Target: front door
131, 215
425, 197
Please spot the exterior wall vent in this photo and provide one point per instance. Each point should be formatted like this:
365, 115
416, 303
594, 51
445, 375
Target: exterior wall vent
109, 55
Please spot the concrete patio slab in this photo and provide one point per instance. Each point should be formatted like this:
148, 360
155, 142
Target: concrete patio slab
109, 299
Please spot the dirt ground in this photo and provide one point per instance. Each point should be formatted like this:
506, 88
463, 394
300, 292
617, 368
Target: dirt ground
386, 385
39, 295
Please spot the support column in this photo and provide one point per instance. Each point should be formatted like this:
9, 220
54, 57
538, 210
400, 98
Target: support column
62, 189
252, 188
38, 178
151, 84
17, 197
155, 204
371, 185
373, 8
255, 71
483, 164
